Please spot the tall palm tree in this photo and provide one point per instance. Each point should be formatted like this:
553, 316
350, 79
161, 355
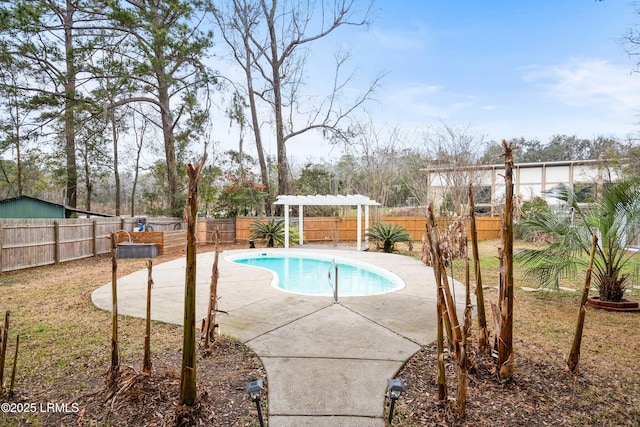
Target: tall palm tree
610, 218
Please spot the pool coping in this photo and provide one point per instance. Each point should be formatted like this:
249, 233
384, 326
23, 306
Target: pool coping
397, 282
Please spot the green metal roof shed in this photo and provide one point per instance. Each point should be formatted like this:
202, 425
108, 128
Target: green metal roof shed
30, 207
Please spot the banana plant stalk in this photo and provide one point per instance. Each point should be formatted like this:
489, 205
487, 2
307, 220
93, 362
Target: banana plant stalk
483, 333
574, 356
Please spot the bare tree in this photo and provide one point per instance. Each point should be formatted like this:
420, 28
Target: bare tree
269, 42
454, 153
381, 156
238, 19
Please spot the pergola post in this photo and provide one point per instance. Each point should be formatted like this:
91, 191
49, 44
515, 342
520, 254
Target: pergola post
286, 226
300, 225
366, 226
359, 228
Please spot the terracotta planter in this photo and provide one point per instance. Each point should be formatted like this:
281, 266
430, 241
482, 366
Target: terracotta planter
624, 305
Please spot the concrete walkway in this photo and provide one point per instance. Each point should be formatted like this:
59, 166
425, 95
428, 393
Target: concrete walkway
327, 364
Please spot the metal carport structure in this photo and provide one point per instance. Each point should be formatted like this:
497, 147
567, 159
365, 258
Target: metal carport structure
326, 200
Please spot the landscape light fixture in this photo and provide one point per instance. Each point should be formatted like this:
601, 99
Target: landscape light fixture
254, 389
396, 388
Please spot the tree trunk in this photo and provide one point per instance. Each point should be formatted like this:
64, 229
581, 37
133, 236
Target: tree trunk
18, 151
574, 355
116, 173
87, 180
505, 343
283, 172
188, 372
136, 171
169, 141
69, 108
255, 123
483, 333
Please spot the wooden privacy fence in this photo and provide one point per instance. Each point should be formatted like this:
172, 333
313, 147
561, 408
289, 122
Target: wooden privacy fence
26, 243
207, 229
345, 228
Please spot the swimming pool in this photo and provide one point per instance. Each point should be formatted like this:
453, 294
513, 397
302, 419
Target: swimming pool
308, 274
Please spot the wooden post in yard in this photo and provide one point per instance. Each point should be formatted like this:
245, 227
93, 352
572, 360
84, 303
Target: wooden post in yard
210, 322
15, 365
4, 337
505, 343
188, 371
146, 363
114, 369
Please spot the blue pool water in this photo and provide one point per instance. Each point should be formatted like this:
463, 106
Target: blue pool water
308, 274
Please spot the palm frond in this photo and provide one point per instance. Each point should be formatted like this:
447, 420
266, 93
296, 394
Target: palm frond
547, 267
571, 228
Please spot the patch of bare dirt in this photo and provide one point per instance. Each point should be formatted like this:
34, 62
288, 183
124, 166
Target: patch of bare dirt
139, 399
542, 392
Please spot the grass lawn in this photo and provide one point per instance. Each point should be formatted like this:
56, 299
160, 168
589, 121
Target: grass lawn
65, 353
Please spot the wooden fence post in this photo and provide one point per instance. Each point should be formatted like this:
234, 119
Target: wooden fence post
95, 237
56, 240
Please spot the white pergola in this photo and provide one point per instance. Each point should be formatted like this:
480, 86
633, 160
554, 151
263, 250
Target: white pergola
329, 200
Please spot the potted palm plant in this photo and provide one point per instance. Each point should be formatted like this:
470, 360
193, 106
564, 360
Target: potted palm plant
610, 217
272, 232
388, 235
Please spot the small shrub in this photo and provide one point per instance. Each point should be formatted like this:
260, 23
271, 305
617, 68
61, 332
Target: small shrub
388, 235
272, 232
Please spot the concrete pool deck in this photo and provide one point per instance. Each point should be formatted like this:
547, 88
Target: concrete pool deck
327, 364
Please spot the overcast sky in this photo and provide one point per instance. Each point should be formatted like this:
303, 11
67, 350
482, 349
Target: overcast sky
508, 68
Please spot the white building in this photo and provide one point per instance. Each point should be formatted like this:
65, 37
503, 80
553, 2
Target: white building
447, 187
